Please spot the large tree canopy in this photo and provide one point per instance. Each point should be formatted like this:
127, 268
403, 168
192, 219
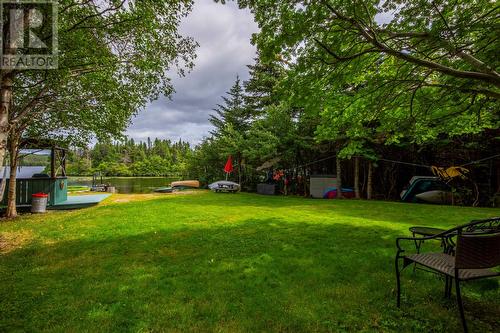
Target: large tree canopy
387, 70
114, 56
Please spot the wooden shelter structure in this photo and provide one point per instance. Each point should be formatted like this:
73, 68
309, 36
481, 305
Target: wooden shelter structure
55, 183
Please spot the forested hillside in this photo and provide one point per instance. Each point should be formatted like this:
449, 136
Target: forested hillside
128, 158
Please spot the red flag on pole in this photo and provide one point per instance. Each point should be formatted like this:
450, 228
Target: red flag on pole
229, 165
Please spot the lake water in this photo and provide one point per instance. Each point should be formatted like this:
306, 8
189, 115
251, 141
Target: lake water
126, 184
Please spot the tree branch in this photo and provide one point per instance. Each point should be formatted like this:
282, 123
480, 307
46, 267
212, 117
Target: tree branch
31, 104
371, 37
344, 58
88, 17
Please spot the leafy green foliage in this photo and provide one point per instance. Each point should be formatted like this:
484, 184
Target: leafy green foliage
389, 72
114, 57
127, 158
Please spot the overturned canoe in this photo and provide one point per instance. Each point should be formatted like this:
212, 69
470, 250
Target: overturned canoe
186, 183
224, 186
437, 197
164, 190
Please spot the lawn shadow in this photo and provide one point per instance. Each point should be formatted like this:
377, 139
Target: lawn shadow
258, 275
408, 214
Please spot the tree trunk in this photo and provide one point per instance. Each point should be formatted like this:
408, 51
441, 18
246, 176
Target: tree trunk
239, 171
5, 102
356, 178
4, 180
304, 179
339, 178
11, 199
369, 186
239, 175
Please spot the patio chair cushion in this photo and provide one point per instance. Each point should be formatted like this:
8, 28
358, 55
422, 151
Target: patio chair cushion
445, 263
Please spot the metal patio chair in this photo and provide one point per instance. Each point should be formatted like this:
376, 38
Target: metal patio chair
471, 251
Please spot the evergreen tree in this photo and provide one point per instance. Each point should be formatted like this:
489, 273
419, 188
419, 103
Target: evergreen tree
232, 113
260, 88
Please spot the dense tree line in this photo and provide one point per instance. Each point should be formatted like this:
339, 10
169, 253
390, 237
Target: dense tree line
127, 158
334, 78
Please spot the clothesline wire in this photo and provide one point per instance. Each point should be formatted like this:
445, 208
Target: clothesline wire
406, 163
394, 161
314, 162
428, 166
481, 160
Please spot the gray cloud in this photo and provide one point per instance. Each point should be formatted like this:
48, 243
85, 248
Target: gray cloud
223, 32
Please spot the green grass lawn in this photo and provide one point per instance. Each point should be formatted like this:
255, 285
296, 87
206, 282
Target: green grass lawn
77, 188
229, 263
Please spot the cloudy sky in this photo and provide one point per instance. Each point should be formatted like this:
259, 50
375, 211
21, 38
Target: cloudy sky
223, 32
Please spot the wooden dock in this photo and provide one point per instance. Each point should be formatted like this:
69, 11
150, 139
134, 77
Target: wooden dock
79, 201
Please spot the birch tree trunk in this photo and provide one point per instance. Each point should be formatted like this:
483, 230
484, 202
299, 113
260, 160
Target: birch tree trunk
4, 180
11, 199
5, 102
339, 178
356, 178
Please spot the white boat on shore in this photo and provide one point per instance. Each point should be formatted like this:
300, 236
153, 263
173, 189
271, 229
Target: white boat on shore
224, 186
436, 197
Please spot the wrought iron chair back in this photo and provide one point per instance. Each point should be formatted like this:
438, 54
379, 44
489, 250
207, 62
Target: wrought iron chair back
488, 225
476, 251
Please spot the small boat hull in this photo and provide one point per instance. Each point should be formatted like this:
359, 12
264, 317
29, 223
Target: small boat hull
437, 197
164, 190
224, 186
186, 184
422, 184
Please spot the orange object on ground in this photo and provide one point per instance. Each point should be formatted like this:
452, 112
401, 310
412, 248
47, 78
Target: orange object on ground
186, 183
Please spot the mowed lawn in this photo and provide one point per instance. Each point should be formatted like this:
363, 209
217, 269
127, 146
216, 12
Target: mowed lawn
229, 263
